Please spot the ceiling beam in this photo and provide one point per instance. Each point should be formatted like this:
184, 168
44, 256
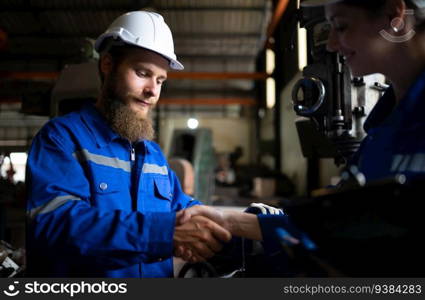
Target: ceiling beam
217, 57
214, 35
28, 6
212, 8
7, 56
28, 75
208, 101
32, 75
90, 8
219, 75
176, 101
224, 90
82, 35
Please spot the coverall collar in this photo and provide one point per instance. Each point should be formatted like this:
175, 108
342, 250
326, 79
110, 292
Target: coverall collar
102, 133
97, 125
410, 105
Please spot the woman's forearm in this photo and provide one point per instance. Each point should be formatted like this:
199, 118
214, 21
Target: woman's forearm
243, 225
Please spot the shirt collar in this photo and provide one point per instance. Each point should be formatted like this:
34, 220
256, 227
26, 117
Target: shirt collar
101, 131
414, 97
381, 110
409, 108
97, 125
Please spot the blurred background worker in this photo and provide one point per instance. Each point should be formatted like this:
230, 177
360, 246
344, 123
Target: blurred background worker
102, 199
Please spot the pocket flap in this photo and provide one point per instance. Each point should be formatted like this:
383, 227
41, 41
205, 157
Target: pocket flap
163, 188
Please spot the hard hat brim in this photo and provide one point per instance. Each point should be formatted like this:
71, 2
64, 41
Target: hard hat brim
174, 64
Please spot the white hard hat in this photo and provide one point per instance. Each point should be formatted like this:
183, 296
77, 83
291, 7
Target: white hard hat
144, 29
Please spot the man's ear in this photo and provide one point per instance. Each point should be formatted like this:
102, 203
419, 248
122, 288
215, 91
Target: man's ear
397, 12
106, 64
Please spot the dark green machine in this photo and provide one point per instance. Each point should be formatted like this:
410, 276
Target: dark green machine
196, 146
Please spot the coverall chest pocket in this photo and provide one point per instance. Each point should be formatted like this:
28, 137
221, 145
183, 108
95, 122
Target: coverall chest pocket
108, 193
162, 194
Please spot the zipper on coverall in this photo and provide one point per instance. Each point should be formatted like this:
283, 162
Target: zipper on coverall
134, 188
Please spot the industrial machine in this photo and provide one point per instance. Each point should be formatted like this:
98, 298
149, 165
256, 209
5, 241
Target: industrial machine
361, 229
77, 83
331, 103
196, 147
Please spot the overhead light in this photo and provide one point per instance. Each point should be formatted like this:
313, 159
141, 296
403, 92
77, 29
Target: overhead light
302, 47
270, 82
192, 123
270, 93
270, 61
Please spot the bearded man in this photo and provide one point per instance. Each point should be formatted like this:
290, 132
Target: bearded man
102, 200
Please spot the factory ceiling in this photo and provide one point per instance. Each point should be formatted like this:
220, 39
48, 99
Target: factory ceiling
218, 42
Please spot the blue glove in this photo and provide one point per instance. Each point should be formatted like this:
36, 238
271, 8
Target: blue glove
278, 230
285, 238
279, 227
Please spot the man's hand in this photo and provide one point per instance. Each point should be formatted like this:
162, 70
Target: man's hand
198, 238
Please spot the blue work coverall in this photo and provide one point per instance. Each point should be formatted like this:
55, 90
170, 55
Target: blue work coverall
395, 141
99, 206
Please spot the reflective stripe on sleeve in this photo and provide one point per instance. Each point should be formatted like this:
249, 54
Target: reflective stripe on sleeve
152, 168
114, 162
51, 205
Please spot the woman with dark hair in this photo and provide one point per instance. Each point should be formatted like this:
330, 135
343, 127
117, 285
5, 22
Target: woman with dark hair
379, 36
388, 37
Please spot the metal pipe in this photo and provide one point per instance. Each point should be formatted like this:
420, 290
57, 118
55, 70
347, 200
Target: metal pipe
208, 101
277, 16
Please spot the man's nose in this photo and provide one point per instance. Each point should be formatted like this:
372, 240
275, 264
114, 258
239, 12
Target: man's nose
152, 88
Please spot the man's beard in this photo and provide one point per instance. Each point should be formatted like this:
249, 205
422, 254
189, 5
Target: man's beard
122, 119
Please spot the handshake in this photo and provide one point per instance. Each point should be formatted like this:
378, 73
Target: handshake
201, 230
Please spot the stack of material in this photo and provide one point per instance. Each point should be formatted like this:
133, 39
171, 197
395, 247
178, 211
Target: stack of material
12, 261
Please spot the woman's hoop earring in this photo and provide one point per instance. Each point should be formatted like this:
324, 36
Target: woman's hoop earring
397, 24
